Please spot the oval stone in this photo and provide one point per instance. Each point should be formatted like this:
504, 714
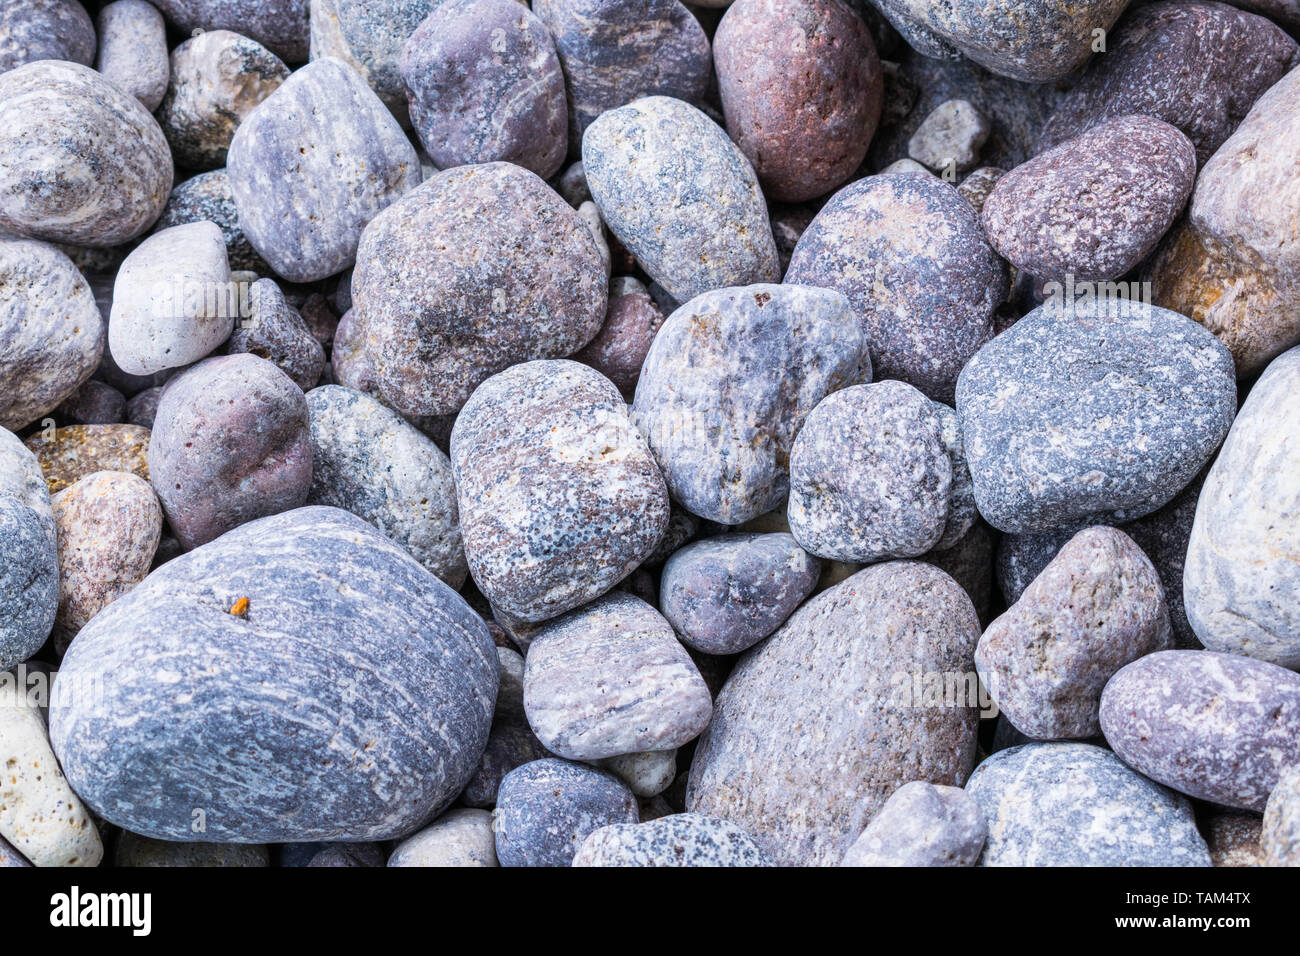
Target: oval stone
922, 825
29, 563
32, 30
457, 838
678, 840
280, 25
133, 50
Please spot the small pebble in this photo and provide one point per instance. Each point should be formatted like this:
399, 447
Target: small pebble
457, 838
950, 138
922, 825
681, 839
1279, 838
275, 331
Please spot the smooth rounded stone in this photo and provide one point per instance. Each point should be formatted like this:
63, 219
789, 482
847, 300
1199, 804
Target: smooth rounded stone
142, 407
1217, 727
349, 855
970, 563
84, 162
312, 165
51, 335
1074, 804
134, 850
1279, 839
173, 301
457, 838
723, 595
1095, 608
362, 750
977, 186
547, 808
572, 185
484, 84
1093, 207
515, 276
680, 196
279, 25
646, 774
609, 679
662, 50
207, 196
910, 255
922, 825
40, 814
728, 383
366, 459
109, 524
29, 562
275, 331
93, 403
511, 742
133, 50
801, 87
559, 496
827, 699
33, 30
677, 840
1097, 412
632, 320
1233, 840
1197, 66
230, 443
870, 476
76, 451
11, 857
950, 137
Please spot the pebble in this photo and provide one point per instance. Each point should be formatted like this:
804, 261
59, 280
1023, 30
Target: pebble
133, 50
134, 850
1233, 839
680, 196
1217, 727
362, 751
29, 560
922, 825
93, 403
646, 774
275, 331
280, 25
11, 857
143, 406
207, 196
1279, 838
32, 30
349, 855
511, 742
678, 840
632, 320
978, 184
950, 137
457, 838
76, 451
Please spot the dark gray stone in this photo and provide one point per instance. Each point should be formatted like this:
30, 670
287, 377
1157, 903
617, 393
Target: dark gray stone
93, 403
32, 30
511, 742
207, 196
682, 839
275, 331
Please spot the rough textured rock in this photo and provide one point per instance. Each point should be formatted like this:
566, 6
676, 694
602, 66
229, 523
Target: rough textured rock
133, 50
962, 512
1074, 804
80, 450
1279, 838
33, 30
949, 139
313, 165
680, 196
279, 25
511, 742
632, 320
106, 190
828, 699
370, 755
728, 383
207, 196
1101, 411
1233, 839
275, 331
134, 850
922, 825
682, 839
910, 255
1214, 726
559, 496
975, 188
457, 838
29, 564
801, 86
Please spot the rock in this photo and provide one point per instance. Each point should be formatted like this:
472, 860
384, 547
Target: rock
1075, 804
173, 301
485, 85
728, 383
515, 276
51, 336
207, 196
93, 403
105, 192
970, 563
511, 742
1279, 838
367, 460
362, 750
680, 196
910, 255
279, 25
11, 857
230, 444
647, 774
349, 855
682, 839
559, 497
922, 825
611, 679
975, 188
29, 561
133, 50
723, 595
801, 87
134, 850
74, 452
962, 512
1214, 726
1096, 607
950, 137
846, 733
1093, 207
32, 30
457, 838
1233, 840
631, 322
274, 330
547, 808
313, 165
142, 408
1097, 412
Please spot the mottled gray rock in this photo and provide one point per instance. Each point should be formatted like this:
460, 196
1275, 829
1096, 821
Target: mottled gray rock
922, 825
950, 137
682, 839
1279, 839
1073, 804
828, 700
545, 809
962, 512
133, 50
143, 407
647, 774
632, 320
33, 30
511, 742
457, 838
275, 331
207, 196
134, 850
1233, 839
312, 165
680, 196
279, 25
29, 564
728, 383
559, 496
349, 855
93, 403
1100, 412
106, 191
910, 255
330, 741
9, 857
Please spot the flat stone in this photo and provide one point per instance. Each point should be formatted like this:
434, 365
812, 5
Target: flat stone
922, 825
679, 840
133, 50
457, 838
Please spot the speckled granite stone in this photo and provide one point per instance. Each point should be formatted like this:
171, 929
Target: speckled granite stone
962, 512
922, 825
133, 850
275, 331
682, 839
1214, 726
910, 255
975, 188
728, 383
80, 450
133, 50
1280, 835
680, 196
545, 809
827, 699
207, 196
29, 565
511, 742
330, 741
457, 838
279, 25
1101, 411
1073, 804
32, 30
559, 496
1233, 839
